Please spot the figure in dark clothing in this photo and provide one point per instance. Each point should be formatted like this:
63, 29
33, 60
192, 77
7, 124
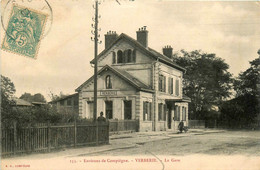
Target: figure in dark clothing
181, 126
101, 118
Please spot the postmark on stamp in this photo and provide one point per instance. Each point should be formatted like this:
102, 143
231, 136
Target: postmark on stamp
24, 30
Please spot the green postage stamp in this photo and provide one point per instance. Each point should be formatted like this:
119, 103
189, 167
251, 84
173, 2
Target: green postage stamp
24, 30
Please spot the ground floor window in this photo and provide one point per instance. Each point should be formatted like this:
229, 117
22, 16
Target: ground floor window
89, 109
147, 107
184, 110
127, 109
177, 113
109, 109
162, 111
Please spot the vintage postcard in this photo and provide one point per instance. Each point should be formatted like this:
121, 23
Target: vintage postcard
130, 84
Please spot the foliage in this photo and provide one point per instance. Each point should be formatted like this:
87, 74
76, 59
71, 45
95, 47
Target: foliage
206, 81
247, 81
54, 97
242, 111
239, 112
7, 93
38, 97
31, 115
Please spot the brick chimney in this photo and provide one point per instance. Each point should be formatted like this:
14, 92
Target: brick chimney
167, 51
110, 37
142, 36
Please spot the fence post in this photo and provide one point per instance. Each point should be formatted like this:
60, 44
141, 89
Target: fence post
15, 137
108, 133
75, 133
117, 125
96, 132
49, 137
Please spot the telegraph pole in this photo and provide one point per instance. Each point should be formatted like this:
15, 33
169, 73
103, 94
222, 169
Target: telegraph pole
95, 52
96, 41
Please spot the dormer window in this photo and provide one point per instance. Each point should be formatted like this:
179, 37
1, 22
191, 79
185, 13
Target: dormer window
108, 82
114, 57
126, 56
119, 56
129, 56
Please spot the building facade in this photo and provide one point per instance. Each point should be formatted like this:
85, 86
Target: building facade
67, 105
136, 82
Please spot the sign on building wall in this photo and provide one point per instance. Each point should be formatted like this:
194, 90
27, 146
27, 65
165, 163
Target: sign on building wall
108, 93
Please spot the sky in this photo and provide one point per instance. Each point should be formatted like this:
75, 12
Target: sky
231, 30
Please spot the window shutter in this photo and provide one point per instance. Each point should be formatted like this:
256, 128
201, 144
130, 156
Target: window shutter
165, 110
177, 88
144, 110
114, 57
150, 113
169, 85
164, 83
134, 55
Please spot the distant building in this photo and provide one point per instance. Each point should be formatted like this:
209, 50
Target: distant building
136, 82
21, 103
67, 104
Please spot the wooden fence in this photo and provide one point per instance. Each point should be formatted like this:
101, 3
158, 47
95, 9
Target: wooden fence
46, 138
196, 124
123, 125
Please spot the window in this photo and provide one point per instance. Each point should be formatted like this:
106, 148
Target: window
134, 56
147, 107
177, 113
129, 56
177, 87
108, 82
162, 83
162, 111
170, 85
69, 102
119, 56
114, 57
184, 109
89, 109
62, 102
76, 102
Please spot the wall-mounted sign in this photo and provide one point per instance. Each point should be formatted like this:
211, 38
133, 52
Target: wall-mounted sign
108, 93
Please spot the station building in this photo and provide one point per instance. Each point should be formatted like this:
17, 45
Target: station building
138, 83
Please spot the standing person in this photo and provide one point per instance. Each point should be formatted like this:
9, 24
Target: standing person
181, 126
101, 118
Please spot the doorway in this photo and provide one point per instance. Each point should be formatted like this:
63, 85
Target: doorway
128, 109
169, 118
109, 109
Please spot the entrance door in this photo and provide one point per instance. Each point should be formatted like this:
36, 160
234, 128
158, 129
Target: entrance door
109, 109
128, 109
169, 118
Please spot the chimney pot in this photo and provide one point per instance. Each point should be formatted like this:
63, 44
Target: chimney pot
167, 51
142, 36
110, 37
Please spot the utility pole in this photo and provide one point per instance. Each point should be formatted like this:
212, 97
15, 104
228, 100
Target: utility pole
95, 52
96, 41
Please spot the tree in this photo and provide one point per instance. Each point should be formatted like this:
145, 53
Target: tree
26, 96
54, 97
7, 93
206, 81
246, 82
38, 97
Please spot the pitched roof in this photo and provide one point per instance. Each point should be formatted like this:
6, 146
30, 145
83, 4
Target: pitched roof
149, 51
122, 74
63, 98
21, 102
